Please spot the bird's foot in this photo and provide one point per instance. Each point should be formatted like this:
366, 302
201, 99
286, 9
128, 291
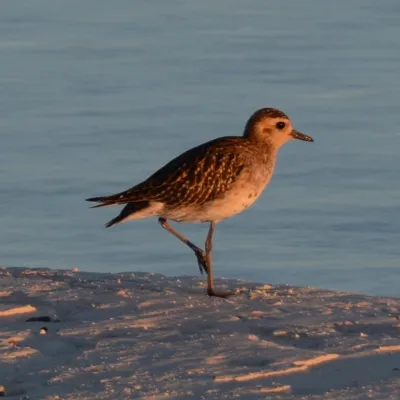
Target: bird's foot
223, 295
201, 261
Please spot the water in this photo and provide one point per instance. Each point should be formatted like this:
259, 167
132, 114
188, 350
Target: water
97, 95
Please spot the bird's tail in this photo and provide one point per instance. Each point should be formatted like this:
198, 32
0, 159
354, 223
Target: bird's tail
128, 212
105, 200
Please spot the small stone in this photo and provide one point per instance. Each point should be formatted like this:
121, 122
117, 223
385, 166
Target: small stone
280, 333
265, 287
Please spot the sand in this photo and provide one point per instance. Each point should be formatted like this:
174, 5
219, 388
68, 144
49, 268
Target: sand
79, 335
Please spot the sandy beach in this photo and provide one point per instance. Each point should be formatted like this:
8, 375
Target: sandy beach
79, 335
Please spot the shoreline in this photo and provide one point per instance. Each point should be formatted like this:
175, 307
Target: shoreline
149, 336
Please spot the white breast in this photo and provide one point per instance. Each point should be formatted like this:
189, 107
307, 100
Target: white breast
236, 200
246, 190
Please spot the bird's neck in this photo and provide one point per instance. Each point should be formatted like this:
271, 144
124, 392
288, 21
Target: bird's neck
267, 151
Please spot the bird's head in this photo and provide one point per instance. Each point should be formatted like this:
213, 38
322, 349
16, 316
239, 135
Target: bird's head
272, 126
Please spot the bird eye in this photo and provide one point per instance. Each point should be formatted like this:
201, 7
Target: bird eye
280, 125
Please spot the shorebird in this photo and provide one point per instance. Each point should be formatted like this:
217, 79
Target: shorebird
209, 183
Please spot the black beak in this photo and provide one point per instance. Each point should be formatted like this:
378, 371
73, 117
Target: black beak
301, 136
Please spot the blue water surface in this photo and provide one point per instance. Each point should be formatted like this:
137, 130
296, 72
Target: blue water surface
94, 96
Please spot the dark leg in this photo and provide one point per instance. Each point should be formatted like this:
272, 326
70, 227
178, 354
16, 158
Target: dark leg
201, 256
210, 278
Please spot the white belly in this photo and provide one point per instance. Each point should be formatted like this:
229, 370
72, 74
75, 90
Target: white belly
233, 202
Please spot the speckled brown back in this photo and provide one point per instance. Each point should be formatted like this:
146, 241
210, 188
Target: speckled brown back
195, 177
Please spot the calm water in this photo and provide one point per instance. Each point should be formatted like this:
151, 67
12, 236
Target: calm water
94, 96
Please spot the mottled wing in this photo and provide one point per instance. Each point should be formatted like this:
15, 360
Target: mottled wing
195, 177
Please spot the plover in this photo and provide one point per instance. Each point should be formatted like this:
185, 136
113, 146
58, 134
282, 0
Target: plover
210, 182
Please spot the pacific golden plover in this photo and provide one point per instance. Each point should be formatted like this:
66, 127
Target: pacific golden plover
210, 182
